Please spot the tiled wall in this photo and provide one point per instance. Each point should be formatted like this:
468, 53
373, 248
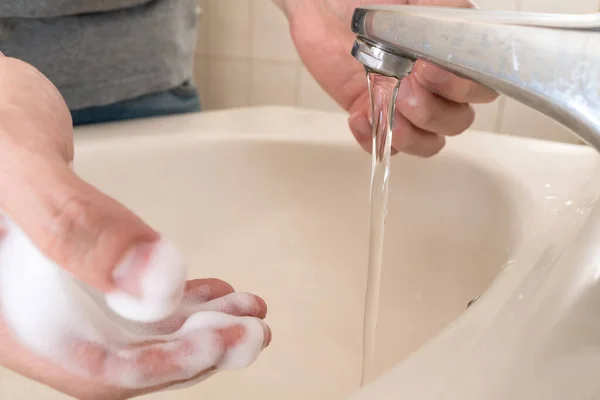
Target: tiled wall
245, 56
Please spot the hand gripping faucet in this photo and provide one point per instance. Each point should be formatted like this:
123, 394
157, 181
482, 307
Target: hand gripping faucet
548, 62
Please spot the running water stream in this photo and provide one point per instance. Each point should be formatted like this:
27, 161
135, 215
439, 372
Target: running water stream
383, 91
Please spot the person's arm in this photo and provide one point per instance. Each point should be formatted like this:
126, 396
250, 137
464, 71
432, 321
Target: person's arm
432, 103
49, 217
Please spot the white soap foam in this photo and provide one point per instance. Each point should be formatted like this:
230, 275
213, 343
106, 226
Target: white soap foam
162, 285
56, 317
234, 303
245, 351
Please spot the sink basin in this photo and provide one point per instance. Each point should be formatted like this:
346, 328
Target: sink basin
275, 201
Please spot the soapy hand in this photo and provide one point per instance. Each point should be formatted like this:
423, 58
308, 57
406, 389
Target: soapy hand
130, 324
432, 103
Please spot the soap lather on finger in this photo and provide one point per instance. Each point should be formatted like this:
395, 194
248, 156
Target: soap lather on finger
150, 280
208, 342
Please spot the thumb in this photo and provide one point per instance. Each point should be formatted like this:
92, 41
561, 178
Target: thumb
92, 236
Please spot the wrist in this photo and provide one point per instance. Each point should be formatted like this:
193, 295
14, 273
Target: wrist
287, 6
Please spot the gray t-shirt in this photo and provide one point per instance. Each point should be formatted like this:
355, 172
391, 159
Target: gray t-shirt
99, 52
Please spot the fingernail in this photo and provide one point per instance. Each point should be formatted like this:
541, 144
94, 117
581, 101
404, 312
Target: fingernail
360, 126
268, 336
150, 281
432, 74
405, 91
127, 276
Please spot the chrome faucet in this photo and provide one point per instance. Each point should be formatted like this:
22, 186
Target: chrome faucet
546, 61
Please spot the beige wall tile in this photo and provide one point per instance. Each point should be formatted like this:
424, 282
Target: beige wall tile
515, 118
229, 28
521, 120
228, 83
273, 82
200, 75
486, 115
202, 41
311, 95
552, 6
560, 6
505, 5
271, 39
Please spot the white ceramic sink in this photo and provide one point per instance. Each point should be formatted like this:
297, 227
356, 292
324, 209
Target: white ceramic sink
275, 201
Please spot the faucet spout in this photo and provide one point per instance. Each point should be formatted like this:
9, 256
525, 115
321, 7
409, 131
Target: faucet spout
546, 61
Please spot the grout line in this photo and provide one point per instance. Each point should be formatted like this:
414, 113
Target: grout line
207, 14
251, 13
519, 5
251, 62
248, 58
298, 84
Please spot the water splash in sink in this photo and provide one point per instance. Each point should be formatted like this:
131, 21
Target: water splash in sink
383, 91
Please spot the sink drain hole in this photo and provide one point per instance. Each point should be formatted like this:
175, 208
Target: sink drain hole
472, 301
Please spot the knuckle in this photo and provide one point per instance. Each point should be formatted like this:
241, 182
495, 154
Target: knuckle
70, 216
424, 117
465, 120
466, 91
68, 227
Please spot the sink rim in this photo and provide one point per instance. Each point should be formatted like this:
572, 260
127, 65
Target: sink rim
280, 124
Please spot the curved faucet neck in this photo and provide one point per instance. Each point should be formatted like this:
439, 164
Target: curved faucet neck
548, 62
